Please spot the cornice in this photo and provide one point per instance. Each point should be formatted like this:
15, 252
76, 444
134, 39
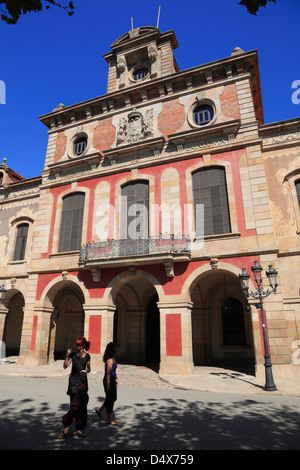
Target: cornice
233, 68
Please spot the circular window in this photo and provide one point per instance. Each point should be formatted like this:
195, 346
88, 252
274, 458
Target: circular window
80, 145
203, 115
139, 74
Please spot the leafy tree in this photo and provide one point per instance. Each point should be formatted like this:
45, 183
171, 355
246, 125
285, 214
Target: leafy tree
254, 5
13, 9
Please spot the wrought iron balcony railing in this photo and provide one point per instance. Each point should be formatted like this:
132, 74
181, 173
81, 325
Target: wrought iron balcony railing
127, 247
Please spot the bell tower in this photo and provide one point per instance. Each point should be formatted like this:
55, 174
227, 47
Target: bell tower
140, 55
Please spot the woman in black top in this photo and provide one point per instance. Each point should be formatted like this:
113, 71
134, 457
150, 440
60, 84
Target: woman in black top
78, 387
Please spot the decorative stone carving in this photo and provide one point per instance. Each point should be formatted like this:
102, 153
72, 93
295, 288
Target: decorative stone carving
152, 54
135, 128
121, 67
214, 262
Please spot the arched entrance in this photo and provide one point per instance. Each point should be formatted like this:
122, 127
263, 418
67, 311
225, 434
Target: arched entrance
13, 322
67, 320
221, 328
136, 323
153, 332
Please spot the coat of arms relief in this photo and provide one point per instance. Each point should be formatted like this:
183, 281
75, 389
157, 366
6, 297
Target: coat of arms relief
135, 127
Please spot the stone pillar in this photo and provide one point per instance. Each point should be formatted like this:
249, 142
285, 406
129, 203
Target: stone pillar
37, 352
176, 348
3, 313
98, 329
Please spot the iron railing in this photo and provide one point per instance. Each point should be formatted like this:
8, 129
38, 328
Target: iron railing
128, 247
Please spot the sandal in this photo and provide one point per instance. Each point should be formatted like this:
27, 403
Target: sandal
64, 434
98, 413
79, 433
112, 422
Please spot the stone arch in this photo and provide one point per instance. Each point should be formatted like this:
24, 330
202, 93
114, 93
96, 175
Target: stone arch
50, 290
122, 278
133, 292
64, 297
12, 333
208, 289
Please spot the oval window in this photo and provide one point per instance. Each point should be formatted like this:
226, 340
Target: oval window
140, 73
203, 115
80, 145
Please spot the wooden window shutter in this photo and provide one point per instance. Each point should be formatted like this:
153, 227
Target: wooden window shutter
297, 184
71, 223
21, 240
137, 205
210, 189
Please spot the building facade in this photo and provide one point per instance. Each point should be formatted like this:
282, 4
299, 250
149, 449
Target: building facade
153, 198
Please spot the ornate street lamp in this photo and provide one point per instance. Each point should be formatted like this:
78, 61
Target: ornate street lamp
2, 292
260, 294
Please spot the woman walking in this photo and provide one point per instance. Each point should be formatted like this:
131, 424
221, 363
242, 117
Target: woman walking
77, 388
110, 382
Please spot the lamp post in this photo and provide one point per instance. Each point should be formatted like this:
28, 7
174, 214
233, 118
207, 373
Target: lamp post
260, 294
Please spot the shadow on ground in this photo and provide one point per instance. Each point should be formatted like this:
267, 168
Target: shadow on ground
164, 424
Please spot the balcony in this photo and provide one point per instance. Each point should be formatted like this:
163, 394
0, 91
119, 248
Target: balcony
165, 250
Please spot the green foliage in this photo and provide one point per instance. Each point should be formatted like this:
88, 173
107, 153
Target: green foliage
13, 9
254, 5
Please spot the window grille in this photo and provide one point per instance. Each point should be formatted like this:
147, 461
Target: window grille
80, 146
140, 73
203, 115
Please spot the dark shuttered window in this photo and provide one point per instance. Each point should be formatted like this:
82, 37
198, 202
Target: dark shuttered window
71, 223
21, 240
134, 210
297, 184
209, 189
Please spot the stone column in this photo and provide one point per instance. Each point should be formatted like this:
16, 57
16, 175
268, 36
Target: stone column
35, 347
98, 329
3, 313
176, 348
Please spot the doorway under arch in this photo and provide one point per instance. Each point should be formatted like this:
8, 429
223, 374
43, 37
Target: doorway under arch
13, 323
153, 332
136, 323
221, 328
67, 321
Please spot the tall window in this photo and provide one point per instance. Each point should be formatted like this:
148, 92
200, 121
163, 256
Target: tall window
233, 323
21, 240
209, 189
1, 179
297, 184
71, 223
134, 210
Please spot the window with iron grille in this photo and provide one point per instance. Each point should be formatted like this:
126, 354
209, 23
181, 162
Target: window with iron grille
140, 73
71, 222
21, 240
210, 189
80, 146
203, 115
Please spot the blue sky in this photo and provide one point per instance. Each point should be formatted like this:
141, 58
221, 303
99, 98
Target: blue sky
50, 58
